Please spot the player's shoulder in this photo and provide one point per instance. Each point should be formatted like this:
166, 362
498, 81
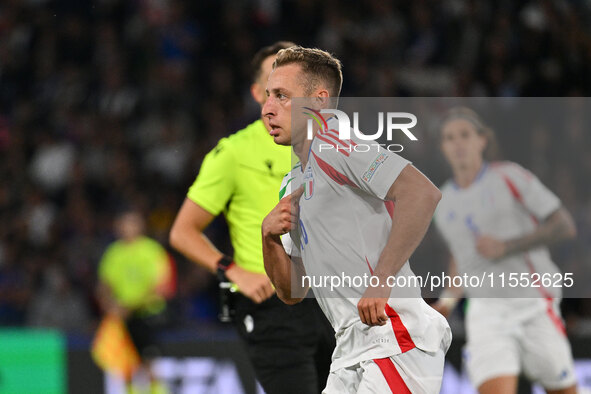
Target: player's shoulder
149, 242
327, 143
223, 148
503, 165
238, 139
113, 250
250, 133
328, 148
447, 187
511, 170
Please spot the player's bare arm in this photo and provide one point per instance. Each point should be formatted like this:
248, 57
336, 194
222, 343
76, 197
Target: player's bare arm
559, 226
416, 199
187, 237
278, 265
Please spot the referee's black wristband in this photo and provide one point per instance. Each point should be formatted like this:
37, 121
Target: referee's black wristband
223, 264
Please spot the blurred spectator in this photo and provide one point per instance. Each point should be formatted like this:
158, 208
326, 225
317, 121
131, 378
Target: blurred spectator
39, 215
52, 163
58, 305
15, 287
109, 103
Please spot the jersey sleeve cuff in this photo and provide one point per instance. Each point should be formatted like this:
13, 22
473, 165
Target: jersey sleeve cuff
208, 206
387, 175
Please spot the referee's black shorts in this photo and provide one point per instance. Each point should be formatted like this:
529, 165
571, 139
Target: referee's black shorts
290, 346
143, 331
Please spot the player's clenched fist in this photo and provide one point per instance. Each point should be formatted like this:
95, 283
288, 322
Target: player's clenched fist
372, 306
284, 216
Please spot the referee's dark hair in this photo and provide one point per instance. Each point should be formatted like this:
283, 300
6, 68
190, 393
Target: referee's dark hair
264, 53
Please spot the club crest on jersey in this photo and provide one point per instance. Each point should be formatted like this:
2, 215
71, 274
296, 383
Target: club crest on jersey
308, 183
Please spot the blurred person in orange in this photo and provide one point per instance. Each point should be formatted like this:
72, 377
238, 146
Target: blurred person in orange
134, 281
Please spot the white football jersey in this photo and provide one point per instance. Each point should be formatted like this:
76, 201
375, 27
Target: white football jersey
505, 202
344, 226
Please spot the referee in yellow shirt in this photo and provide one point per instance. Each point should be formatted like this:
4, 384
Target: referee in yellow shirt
290, 346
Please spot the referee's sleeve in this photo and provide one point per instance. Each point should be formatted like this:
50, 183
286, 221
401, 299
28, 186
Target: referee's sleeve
214, 184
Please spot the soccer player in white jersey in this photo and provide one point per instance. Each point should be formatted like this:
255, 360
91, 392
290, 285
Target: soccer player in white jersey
498, 217
384, 344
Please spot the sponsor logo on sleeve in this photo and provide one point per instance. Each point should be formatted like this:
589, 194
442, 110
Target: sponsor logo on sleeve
367, 175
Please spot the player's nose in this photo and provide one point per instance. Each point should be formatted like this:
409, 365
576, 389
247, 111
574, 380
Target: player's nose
268, 109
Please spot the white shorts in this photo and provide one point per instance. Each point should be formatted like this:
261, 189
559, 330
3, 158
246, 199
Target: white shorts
414, 371
500, 344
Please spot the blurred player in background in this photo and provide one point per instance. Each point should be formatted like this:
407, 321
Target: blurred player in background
290, 347
385, 343
134, 278
498, 217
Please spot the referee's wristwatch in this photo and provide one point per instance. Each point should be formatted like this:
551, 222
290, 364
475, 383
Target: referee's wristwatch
223, 265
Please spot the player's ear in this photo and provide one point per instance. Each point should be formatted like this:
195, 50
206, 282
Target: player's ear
323, 98
258, 93
483, 142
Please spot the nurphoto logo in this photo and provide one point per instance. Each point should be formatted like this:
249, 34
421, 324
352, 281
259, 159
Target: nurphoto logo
392, 123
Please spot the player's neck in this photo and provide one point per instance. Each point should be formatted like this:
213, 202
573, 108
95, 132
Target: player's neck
301, 150
130, 238
465, 176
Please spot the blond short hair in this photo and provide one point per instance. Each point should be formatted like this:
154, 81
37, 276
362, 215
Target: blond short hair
318, 65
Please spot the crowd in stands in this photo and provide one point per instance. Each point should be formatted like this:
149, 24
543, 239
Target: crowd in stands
110, 103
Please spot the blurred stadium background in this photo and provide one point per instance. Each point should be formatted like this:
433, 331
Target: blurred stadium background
110, 103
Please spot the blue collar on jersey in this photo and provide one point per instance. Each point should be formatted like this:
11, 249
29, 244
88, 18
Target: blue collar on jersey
483, 169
